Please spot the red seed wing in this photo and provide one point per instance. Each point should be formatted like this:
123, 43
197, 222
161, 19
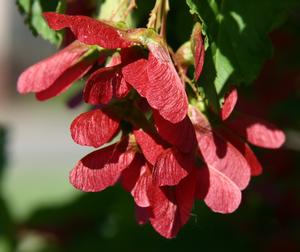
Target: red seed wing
171, 207
94, 128
243, 147
181, 134
89, 30
219, 153
46, 73
165, 91
99, 87
122, 88
140, 190
132, 173
156, 79
257, 131
170, 168
199, 51
135, 74
151, 146
102, 168
137, 179
221, 194
65, 81
230, 101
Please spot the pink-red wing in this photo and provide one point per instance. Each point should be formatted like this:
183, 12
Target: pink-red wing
243, 147
181, 134
135, 74
94, 128
156, 79
99, 87
102, 168
171, 206
137, 179
165, 92
140, 190
219, 192
121, 88
46, 73
230, 101
257, 131
151, 146
65, 81
199, 51
219, 153
132, 173
170, 168
89, 30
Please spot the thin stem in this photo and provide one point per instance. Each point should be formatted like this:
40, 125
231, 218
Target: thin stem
152, 22
131, 6
165, 10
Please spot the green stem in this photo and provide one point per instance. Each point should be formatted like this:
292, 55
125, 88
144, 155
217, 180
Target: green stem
158, 17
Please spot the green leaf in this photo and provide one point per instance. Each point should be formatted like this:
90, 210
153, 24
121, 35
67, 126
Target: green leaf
237, 33
33, 10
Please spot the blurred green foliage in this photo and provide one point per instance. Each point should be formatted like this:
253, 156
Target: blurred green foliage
7, 238
2, 150
33, 12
